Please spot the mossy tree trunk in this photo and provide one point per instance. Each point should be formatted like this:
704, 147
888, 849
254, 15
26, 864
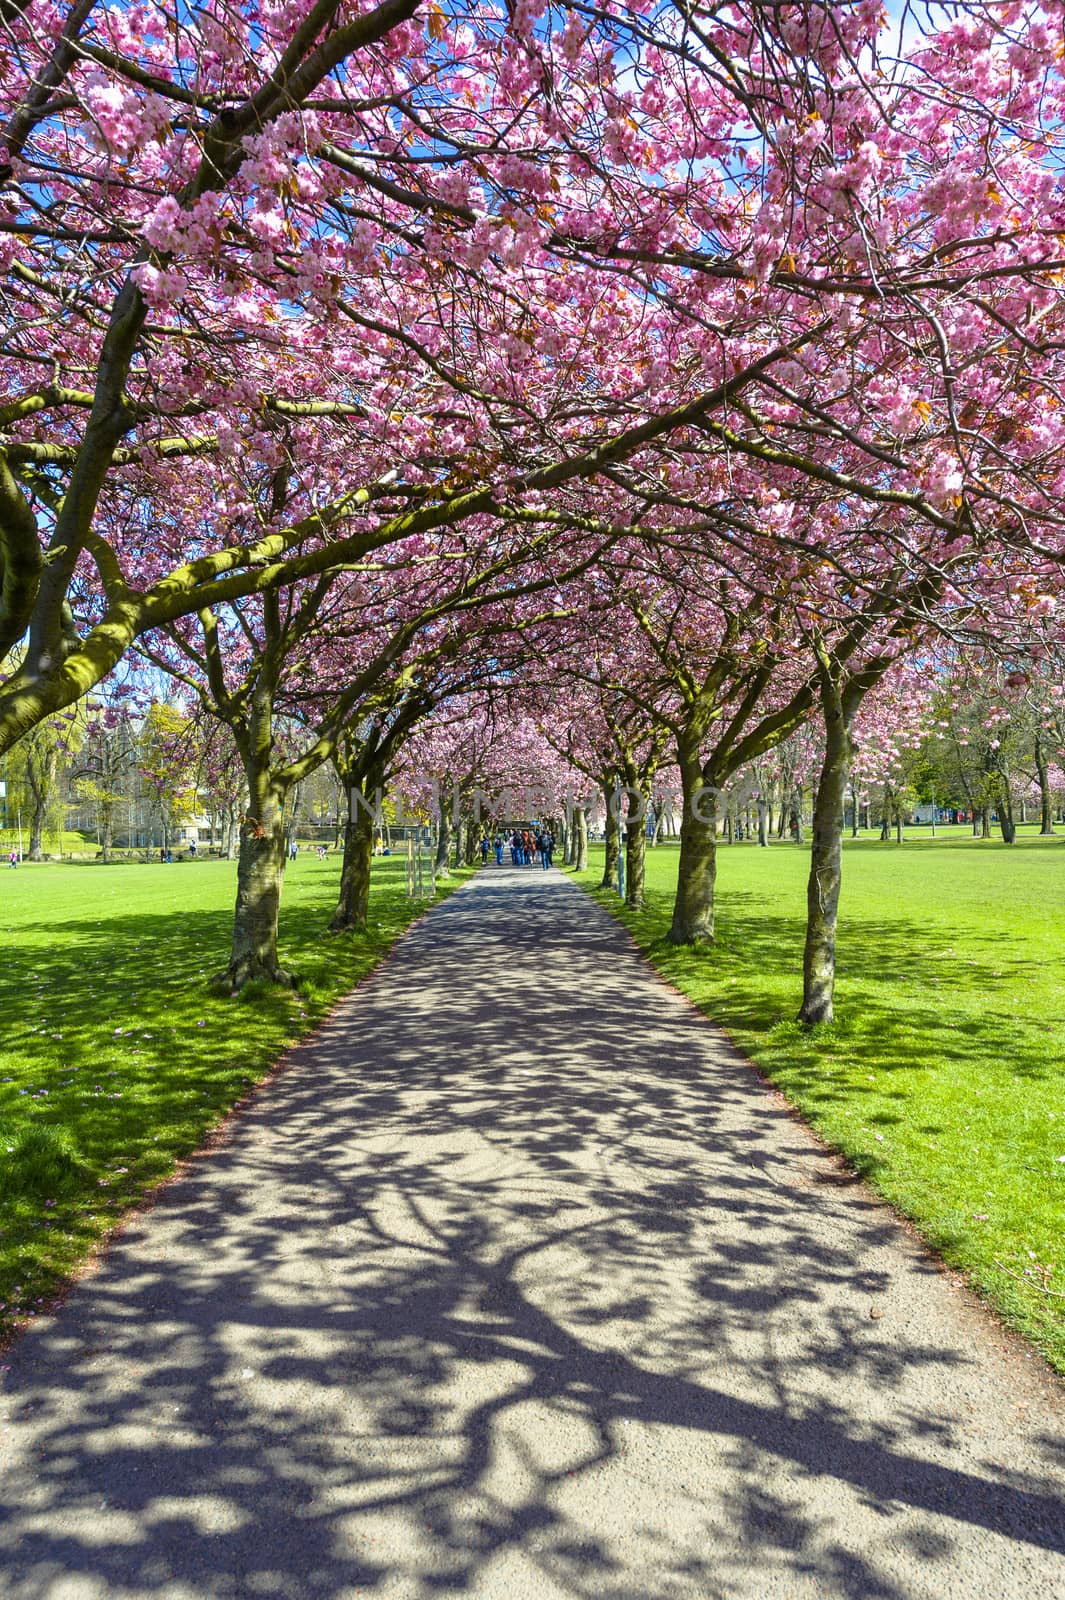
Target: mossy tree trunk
37, 821
797, 828
579, 832
292, 816
693, 907
826, 853
361, 763
662, 820
107, 828
260, 875
42, 762
1004, 805
635, 855
353, 902
611, 833
261, 858
443, 834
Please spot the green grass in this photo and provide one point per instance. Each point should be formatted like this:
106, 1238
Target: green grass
115, 1059
942, 1080
68, 842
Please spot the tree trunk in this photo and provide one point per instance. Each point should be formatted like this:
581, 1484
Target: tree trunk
261, 862
854, 812
290, 830
107, 829
898, 822
260, 874
985, 822
826, 860
40, 777
579, 831
340, 826
764, 824
1046, 804
473, 839
1006, 822
635, 857
885, 815
40, 812
353, 904
693, 908
443, 837
796, 815
612, 833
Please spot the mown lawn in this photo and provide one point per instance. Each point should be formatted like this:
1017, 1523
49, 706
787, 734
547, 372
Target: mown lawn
115, 1059
943, 1079
67, 842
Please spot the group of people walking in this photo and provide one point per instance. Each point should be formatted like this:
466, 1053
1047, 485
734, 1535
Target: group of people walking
526, 847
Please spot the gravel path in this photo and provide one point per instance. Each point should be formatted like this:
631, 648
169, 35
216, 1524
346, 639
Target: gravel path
514, 1285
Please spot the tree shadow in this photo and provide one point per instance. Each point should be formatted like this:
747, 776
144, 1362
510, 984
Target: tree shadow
516, 1279
112, 1038
875, 956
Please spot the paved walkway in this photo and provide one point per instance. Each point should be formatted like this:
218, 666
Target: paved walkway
516, 1285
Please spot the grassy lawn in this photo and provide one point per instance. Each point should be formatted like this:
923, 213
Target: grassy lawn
943, 1081
68, 842
115, 1059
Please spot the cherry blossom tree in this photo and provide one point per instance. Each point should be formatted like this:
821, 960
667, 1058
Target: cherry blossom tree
438, 232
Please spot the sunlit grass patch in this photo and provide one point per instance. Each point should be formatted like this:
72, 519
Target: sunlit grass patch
943, 1078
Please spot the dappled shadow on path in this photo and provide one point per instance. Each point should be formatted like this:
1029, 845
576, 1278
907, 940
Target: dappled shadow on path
516, 1282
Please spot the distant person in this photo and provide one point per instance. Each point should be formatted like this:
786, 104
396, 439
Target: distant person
293, 850
497, 845
484, 851
13, 858
192, 849
547, 847
170, 856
